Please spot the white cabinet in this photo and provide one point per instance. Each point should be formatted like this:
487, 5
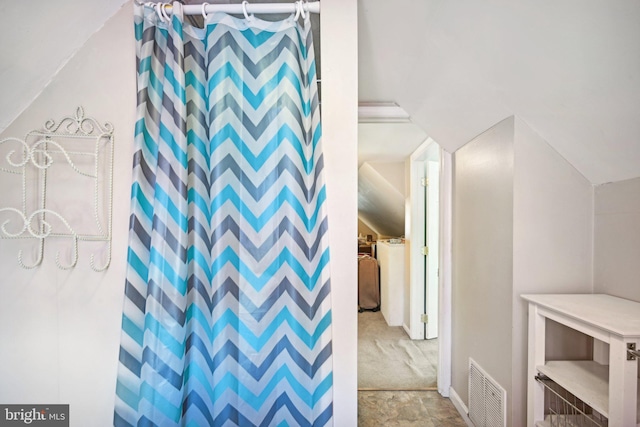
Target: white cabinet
391, 260
612, 390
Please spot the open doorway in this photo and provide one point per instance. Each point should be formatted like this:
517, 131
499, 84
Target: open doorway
393, 353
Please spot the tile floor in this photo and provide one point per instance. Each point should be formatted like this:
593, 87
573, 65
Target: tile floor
406, 408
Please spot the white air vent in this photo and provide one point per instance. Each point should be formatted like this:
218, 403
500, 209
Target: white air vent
487, 400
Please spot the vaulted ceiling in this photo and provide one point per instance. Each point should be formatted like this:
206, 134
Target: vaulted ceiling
570, 69
38, 38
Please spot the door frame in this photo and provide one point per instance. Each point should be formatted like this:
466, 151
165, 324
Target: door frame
416, 277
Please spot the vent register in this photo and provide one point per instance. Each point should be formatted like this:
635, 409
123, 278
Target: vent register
487, 399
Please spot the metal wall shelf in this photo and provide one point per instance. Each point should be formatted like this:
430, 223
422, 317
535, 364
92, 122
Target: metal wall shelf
63, 174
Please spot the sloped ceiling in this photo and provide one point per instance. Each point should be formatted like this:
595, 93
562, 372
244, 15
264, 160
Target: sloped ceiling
38, 38
380, 204
570, 69
381, 200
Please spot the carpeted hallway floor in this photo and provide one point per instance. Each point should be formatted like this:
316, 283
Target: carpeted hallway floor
397, 379
389, 360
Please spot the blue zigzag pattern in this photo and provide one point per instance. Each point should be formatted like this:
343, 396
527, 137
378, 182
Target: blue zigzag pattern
227, 309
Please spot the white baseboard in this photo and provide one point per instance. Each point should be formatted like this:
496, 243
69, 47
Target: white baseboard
460, 406
406, 329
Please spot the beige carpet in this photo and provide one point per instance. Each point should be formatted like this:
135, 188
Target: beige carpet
389, 360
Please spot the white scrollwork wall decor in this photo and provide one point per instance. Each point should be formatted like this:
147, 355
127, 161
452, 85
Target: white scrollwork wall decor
65, 175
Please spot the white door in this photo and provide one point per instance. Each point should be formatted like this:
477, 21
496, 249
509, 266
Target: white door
432, 222
424, 239
417, 286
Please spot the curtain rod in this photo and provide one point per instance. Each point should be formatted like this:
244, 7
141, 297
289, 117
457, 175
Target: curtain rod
237, 9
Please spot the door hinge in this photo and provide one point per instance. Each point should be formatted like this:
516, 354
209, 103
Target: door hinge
424, 182
425, 250
424, 318
632, 353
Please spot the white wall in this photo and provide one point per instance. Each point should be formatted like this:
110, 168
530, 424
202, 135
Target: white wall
339, 51
64, 327
552, 245
482, 256
391, 259
26, 71
617, 239
523, 221
364, 230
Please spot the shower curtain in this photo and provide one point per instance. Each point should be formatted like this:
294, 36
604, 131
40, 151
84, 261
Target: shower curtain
226, 317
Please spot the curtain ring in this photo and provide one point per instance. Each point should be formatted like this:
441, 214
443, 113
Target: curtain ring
157, 8
244, 10
295, 18
164, 11
302, 12
204, 12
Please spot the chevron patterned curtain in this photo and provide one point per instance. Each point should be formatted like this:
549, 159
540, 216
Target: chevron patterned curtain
227, 317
